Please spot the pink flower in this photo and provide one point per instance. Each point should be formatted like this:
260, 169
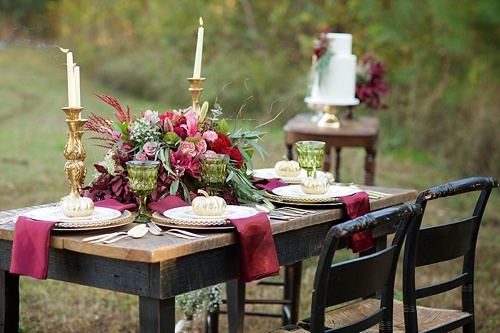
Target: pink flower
141, 157
150, 148
191, 125
188, 148
201, 146
151, 117
167, 125
210, 153
210, 136
182, 163
116, 135
125, 145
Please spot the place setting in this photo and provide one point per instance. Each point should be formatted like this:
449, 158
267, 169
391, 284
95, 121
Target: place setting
301, 182
208, 211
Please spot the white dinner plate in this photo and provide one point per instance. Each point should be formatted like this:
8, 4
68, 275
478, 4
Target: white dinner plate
295, 192
124, 218
185, 215
230, 212
54, 214
160, 219
270, 173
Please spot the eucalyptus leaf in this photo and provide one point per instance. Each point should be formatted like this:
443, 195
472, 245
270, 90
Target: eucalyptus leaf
223, 127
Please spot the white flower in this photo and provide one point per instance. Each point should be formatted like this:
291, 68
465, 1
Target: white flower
196, 301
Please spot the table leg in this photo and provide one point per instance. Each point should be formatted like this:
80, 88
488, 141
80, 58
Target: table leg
327, 160
9, 302
156, 315
288, 152
235, 290
371, 153
337, 163
293, 277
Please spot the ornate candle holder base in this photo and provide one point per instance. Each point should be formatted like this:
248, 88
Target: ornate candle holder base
73, 205
196, 90
329, 118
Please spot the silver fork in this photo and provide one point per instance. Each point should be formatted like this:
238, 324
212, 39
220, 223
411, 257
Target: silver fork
156, 230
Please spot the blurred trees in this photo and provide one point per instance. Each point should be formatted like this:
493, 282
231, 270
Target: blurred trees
28, 17
441, 56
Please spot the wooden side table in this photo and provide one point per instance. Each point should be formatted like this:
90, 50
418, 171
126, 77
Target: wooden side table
357, 132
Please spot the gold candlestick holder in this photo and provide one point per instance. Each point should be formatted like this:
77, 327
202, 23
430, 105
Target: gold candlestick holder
74, 205
329, 118
196, 90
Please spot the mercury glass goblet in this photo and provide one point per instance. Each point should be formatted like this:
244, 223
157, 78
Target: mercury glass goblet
310, 155
214, 170
142, 176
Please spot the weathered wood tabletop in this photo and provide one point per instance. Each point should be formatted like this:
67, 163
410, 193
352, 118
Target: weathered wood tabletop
159, 268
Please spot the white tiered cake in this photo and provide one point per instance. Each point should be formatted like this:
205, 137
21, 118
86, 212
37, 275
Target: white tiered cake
337, 83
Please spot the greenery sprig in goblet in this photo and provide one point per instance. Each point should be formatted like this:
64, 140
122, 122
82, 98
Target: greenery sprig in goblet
142, 176
214, 170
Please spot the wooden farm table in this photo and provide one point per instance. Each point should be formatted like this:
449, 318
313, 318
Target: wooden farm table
158, 268
357, 132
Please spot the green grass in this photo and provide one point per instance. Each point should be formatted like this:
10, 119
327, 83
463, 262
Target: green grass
32, 139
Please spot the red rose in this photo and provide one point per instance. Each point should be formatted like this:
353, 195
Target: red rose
236, 157
221, 145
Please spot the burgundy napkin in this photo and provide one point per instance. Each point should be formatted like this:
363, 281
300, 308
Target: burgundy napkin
30, 248
357, 205
268, 184
169, 202
113, 204
258, 257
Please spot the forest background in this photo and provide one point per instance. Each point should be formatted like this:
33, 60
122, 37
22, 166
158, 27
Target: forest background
441, 120
441, 56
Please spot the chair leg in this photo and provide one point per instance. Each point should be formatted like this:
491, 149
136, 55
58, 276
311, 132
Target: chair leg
212, 321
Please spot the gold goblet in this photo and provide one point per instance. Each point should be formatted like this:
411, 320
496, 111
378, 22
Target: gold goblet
214, 170
142, 176
310, 155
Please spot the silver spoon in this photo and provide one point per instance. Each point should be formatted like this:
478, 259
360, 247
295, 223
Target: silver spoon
136, 232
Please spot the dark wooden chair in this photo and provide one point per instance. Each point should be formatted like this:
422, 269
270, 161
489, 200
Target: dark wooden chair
438, 244
360, 289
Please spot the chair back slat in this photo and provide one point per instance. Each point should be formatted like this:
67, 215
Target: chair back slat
352, 282
444, 242
438, 288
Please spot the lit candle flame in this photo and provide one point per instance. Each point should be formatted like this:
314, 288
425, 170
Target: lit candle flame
63, 50
201, 21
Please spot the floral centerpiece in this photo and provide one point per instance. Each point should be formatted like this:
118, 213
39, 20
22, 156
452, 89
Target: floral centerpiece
370, 84
176, 138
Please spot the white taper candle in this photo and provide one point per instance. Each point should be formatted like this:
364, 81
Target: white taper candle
199, 52
71, 79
